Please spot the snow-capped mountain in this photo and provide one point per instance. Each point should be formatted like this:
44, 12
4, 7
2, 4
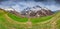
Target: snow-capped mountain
36, 11
35, 8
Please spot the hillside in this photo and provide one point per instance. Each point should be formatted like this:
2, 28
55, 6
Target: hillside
11, 21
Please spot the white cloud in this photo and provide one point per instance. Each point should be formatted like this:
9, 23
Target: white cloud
19, 6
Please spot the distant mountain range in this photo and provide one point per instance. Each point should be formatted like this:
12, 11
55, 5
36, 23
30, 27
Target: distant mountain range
35, 11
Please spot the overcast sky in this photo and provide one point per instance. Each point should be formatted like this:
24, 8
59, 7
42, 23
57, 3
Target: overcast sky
19, 5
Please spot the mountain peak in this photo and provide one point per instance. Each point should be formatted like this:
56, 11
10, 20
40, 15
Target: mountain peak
37, 11
38, 6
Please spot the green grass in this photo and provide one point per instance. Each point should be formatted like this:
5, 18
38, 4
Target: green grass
58, 24
5, 24
16, 18
2, 18
40, 19
33, 20
2, 27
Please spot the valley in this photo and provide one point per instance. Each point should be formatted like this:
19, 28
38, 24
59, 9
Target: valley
11, 21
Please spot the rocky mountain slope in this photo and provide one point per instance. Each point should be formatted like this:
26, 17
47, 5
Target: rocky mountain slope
36, 11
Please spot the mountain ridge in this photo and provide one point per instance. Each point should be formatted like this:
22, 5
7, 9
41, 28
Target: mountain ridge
36, 11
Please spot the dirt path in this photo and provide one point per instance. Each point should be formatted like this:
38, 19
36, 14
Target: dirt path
29, 23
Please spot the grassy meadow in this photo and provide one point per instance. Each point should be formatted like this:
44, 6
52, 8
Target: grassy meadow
11, 21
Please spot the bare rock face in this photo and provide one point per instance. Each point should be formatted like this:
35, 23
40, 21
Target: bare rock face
44, 12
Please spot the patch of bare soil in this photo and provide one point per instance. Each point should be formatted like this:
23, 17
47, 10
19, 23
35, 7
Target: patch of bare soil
29, 23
